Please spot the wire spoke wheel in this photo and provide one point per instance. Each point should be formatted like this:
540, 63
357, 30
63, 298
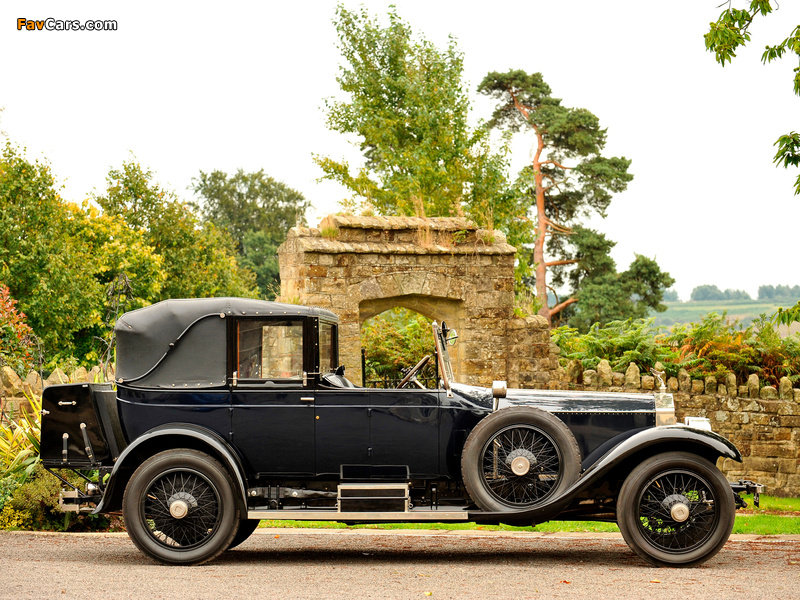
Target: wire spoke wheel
201, 499
179, 507
675, 509
517, 458
661, 494
521, 465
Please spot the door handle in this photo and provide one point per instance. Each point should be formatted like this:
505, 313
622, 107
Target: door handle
306, 399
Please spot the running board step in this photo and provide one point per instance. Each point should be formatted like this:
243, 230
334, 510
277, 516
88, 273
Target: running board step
430, 516
369, 497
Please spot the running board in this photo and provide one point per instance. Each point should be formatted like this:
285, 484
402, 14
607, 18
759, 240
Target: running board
435, 516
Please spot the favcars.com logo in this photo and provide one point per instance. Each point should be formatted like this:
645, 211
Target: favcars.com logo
65, 25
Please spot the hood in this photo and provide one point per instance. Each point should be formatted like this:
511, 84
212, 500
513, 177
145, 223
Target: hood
561, 400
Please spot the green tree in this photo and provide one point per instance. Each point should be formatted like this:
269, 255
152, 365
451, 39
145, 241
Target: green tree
602, 294
119, 253
408, 107
46, 270
567, 179
257, 211
199, 259
707, 292
728, 33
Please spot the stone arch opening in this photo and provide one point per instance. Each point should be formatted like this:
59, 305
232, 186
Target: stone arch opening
432, 307
410, 338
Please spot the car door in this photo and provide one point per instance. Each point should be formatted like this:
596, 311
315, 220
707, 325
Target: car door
272, 402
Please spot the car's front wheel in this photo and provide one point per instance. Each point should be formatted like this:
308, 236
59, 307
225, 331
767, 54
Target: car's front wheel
676, 509
179, 507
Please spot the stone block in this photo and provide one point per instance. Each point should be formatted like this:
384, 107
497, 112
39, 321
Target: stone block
33, 384
785, 391
698, 387
755, 463
648, 382
730, 384
710, 385
12, 384
753, 386
618, 379
604, 373
56, 377
590, 378
632, 378
672, 384
768, 392
574, 371
684, 381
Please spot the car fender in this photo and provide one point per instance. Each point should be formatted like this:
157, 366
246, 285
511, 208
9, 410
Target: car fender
198, 437
707, 444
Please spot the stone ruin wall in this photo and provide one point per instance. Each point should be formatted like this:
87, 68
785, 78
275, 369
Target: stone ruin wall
443, 268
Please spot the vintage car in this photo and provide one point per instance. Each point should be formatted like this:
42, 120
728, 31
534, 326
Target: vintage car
227, 411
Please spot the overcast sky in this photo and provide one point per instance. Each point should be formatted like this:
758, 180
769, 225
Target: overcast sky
203, 86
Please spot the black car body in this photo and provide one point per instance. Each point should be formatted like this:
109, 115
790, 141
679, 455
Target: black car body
227, 411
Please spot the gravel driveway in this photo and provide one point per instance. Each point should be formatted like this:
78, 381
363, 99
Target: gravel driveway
356, 564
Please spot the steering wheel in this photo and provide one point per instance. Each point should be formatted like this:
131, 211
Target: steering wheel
414, 370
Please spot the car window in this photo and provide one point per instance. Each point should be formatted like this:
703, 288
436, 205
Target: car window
327, 347
270, 350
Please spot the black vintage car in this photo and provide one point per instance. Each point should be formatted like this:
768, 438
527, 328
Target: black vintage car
227, 411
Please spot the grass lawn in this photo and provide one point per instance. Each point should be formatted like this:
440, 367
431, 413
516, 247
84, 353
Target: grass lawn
776, 516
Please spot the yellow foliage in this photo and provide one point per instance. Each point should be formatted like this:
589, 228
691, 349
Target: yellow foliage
14, 519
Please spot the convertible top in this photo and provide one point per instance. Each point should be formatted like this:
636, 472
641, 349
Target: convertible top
182, 343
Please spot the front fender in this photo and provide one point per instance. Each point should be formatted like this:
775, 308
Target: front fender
197, 437
707, 444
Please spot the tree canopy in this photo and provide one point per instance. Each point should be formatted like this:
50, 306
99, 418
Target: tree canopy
257, 211
569, 178
199, 258
408, 107
71, 269
731, 31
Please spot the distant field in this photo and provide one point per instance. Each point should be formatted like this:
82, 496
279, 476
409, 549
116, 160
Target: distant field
742, 310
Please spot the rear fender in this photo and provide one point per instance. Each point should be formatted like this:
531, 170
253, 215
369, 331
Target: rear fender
165, 437
675, 438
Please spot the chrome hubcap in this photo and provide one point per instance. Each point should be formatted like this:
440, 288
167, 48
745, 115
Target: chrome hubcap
520, 466
179, 509
679, 512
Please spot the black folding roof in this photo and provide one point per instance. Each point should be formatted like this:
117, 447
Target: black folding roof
182, 343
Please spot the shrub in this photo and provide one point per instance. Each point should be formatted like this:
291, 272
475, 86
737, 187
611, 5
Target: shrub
620, 343
16, 337
714, 346
19, 441
34, 505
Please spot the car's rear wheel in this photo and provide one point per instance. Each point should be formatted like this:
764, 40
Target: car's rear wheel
676, 509
518, 458
179, 507
246, 529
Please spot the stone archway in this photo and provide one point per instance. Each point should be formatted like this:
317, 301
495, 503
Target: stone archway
443, 268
